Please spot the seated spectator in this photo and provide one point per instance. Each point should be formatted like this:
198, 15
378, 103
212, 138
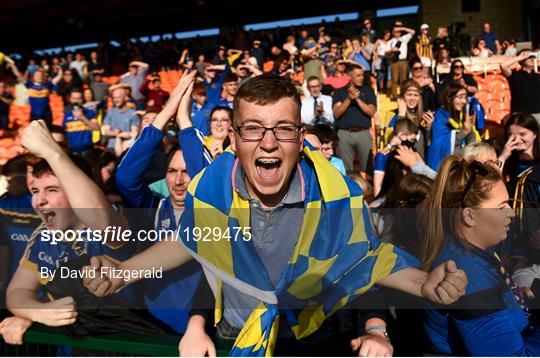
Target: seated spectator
120, 124
481, 49
60, 187
155, 96
452, 128
201, 109
510, 48
79, 122
492, 318
524, 83
317, 107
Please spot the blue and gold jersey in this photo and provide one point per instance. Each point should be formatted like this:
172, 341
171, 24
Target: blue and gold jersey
78, 133
38, 96
17, 223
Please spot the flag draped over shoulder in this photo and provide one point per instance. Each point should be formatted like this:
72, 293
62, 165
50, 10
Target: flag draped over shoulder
336, 258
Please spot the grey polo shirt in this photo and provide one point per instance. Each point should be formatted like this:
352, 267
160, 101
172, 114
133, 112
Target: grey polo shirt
274, 233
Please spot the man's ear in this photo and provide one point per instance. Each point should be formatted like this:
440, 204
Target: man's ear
232, 138
469, 217
302, 137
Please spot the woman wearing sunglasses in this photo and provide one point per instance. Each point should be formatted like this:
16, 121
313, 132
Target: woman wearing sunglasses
467, 215
457, 75
453, 126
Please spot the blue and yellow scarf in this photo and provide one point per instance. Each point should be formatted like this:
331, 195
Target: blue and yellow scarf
335, 260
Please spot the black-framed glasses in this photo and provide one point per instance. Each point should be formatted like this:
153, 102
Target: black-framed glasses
478, 169
459, 66
255, 132
416, 68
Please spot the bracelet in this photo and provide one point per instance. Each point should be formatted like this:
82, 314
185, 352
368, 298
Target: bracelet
382, 329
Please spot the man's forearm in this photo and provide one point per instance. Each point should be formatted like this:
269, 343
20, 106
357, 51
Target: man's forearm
409, 280
85, 197
23, 303
368, 109
165, 255
340, 109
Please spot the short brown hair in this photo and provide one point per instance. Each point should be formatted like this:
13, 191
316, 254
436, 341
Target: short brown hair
199, 89
266, 89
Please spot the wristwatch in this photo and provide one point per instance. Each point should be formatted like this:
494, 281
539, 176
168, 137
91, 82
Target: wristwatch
382, 329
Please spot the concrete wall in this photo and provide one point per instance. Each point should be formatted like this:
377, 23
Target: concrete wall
505, 16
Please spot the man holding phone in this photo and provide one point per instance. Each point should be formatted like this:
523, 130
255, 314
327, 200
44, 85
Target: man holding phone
398, 56
354, 106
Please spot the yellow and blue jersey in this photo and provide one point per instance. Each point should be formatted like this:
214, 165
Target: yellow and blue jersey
38, 96
17, 223
78, 134
41, 253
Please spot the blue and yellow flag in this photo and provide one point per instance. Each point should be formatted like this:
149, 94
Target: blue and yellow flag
336, 258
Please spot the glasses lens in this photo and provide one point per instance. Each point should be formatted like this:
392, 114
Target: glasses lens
286, 132
251, 132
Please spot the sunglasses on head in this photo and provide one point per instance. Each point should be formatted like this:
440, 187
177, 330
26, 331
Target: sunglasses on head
477, 169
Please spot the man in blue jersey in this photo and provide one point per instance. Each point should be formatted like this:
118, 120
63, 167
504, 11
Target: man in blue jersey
62, 192
39, 90
17, 219
201, 108
79, 123
168, 299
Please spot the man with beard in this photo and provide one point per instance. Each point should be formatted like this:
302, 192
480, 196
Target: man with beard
161, 296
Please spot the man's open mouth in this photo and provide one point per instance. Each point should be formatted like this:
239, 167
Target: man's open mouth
47, 215
268, 168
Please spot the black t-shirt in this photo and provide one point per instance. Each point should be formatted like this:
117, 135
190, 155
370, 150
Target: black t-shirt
525, 90
353, 116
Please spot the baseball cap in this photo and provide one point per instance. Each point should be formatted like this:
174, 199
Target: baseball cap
424, 27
